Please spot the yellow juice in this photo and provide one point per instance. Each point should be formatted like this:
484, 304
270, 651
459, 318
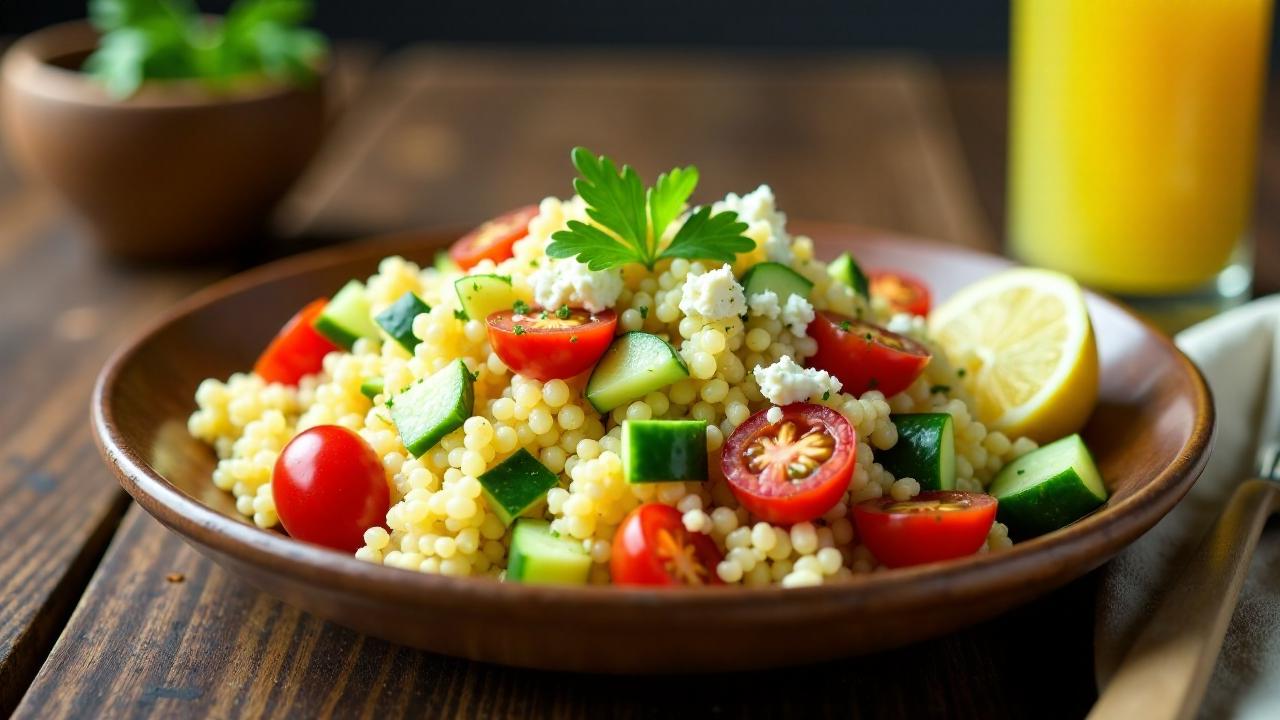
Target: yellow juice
1134, 137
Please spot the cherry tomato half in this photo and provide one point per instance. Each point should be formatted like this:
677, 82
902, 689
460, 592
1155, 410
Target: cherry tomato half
652, 547
549, 344
792, 470
865, 356
931, 527
903, 292
329, 488
493, 239
297, 350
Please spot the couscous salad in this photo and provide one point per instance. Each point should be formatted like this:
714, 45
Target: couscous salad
623, 388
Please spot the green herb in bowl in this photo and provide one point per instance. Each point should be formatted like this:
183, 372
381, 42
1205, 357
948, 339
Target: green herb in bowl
170, 40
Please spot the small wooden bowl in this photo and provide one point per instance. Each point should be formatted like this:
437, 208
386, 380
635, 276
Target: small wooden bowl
176, 171
1150, 434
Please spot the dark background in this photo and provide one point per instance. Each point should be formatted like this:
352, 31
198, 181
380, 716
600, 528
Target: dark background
961, 27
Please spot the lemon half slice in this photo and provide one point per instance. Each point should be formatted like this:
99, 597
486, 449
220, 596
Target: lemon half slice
1025, 343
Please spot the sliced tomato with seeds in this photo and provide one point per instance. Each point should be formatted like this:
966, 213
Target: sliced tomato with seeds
931, 527
792, 470
549, 344
902, 291
865, 356
652, 547
297, 350
494, 239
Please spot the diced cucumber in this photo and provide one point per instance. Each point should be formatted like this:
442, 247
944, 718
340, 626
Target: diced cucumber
444, 263
483, 295
516, 484
926, 450
346, 318
1048, 488
635, 365
433, 407
664, 450
372, 387
846, 270
782, 280
539, 557
397, 320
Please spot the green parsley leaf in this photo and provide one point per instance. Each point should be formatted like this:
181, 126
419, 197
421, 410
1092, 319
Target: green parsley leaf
826, 395
460, 315
644, 312
629, 221
520, 307
960, 372
705, 236
845, 325
564, 312
668, 196
518, 329
940, 389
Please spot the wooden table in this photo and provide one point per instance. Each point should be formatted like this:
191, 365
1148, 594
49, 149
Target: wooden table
106, 612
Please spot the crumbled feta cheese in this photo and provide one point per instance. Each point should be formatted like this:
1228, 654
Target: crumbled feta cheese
797, 314
758, 209
764, 304
714, 295
785, 382
774, 414
912, 326
569, 282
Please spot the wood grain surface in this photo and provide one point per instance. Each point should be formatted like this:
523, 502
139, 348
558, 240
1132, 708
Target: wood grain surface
439, 137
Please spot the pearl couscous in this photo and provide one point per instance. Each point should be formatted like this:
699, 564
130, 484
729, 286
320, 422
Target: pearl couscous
741, 359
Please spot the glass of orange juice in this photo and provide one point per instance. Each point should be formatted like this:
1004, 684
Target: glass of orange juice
1134, 143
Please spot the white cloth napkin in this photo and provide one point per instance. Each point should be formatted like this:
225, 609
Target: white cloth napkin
1239, 353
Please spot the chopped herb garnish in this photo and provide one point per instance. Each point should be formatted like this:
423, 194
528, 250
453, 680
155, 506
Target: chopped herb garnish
533, 263
872, 384
573, 338
960, 372
940, 389
1022, 471
518, 329
544, 315
845, 325
826, 395
628, 220
520, 307
644, 312
460, 314
564, 312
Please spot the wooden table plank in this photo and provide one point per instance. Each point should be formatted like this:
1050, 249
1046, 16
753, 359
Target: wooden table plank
65, 309
867, 141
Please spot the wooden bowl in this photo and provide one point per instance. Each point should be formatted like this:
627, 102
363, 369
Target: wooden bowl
1150, 434
178, 170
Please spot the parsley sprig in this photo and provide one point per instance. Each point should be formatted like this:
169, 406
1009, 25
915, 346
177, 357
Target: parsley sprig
630, 220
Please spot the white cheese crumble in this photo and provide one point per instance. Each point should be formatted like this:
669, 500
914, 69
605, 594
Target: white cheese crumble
912, 326
569, 282
764, 304
714, 295
774, 414
785, 382
797, 314
758, 209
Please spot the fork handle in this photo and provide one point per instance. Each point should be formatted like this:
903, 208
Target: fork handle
1165, 673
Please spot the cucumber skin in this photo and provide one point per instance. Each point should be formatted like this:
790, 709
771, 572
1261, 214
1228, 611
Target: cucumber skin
591, 381
397, 320
846, 270
521, 565
335, 329
1046, 506
901, 462
516, 484
683, 460
402, 416
372, 388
